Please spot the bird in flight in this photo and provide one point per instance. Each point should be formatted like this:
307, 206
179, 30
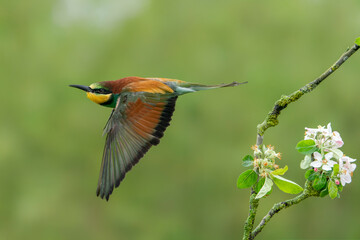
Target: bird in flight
142, 110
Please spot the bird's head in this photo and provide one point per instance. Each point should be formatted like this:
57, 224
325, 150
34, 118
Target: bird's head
99, 94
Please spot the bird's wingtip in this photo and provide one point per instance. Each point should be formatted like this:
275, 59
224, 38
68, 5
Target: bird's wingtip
233, 84
239, 83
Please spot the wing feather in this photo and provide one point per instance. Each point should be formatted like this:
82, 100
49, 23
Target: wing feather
137, 123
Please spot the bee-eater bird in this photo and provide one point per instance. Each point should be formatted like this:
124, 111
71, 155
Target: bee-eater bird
142, 110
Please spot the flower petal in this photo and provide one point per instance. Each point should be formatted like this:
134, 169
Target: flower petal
353, 167
317, 156
326, 167
331, 163
337, 153
316, 164
329, 156
342, 180
329, 129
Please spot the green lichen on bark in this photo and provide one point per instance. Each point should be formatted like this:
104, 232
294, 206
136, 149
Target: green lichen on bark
271, 119
308, 192
249, 224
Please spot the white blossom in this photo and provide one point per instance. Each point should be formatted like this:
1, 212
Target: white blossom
325, 163
311, 133
346, 168
270, 153
328, 142
337, 139
348, 163
324, 137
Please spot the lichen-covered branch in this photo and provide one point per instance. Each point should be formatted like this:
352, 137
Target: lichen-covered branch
249, 224
308, 192
271, 119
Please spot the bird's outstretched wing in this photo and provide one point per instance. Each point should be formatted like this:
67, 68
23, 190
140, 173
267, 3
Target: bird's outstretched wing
138, 122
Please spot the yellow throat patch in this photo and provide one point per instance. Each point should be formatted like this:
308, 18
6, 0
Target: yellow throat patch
98, 98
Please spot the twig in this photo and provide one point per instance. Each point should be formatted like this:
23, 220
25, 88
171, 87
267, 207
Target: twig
271, 119
249, 224
308, 192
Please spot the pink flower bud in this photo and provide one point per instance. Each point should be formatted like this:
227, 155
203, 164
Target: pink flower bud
337, 182
315, 169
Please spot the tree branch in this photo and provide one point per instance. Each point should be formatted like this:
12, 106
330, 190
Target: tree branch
308, 192
271, 119
249, 224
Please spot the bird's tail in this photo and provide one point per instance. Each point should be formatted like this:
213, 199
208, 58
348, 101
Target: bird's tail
186, 87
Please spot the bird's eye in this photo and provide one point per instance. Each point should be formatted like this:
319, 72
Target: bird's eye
101, 91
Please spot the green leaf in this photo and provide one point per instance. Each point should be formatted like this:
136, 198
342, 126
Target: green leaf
305, 163
306, 146
265, 188
327, 173
340, 187
286, 185
248, 158
311, 175
324, 193
247, 179
357, 41
308, 173
269, 192
280, 171
333, 190
319, 182
247, 161
335, 170
259, 185
247, 164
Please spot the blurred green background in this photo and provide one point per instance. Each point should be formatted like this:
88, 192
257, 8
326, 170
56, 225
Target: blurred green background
185, 188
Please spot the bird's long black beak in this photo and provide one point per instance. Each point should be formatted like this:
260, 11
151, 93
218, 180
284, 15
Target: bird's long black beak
82, 87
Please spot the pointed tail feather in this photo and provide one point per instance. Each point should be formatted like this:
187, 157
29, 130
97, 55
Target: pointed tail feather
193, 87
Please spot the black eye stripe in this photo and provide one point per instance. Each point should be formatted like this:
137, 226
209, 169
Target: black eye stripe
101, 91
